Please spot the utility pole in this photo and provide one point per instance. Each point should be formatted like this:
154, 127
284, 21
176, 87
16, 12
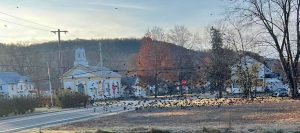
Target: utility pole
50, 86
59, 53
100, 54
156, 90
101, 65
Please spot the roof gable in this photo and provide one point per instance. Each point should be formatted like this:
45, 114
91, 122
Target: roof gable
77, 72
129, 81
90, 71
12, 77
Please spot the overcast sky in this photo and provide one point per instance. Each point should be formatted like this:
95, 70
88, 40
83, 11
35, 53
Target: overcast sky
88, 19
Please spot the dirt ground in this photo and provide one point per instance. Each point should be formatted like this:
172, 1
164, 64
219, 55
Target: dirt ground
256, 117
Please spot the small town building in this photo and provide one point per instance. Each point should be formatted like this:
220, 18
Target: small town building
261, 76
133, 87
12, 84
97, 82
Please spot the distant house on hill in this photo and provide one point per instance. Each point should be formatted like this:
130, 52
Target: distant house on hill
95, 81
276, 68
262, 76
13, 84
133, 87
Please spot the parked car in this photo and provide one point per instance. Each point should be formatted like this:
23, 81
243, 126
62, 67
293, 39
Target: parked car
281, 92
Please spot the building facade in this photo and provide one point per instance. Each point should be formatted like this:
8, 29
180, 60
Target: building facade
257, 72
13, 84
97, 82
133, 87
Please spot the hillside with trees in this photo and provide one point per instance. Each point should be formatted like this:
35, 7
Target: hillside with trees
32, 59
154, 61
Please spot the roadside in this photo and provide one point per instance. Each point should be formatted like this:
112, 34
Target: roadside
38, 111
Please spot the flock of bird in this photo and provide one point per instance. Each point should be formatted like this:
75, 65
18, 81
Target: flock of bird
181, 102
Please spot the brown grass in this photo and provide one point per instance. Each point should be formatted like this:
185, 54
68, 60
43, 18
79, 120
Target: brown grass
257, 117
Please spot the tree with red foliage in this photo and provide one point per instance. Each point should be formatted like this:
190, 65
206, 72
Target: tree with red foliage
154, 61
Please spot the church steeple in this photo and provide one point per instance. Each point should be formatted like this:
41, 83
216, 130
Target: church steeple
80, 58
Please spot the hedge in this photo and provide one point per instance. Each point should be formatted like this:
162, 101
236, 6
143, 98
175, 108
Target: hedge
17, 105
68, 99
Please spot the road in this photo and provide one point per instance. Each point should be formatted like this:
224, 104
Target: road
55, 118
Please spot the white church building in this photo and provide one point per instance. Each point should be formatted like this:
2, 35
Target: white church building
95, 81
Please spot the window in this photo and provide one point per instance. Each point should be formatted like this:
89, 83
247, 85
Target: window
0, 87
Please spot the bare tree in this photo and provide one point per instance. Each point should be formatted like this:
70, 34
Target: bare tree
156, 33
280, 20
182, 37
239, 40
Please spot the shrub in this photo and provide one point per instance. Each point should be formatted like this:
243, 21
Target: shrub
153, 130
24, 104
7, 106
71, 100
274, 131
17, 105
102, 131
208, 130
44, 101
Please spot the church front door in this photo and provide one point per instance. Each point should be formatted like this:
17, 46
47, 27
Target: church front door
80, 88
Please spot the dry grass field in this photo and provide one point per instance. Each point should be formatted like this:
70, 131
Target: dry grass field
274, 116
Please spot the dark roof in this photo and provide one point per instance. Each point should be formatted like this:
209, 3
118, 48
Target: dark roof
129, 81
96, 70
103, 71
272, 63
12, 77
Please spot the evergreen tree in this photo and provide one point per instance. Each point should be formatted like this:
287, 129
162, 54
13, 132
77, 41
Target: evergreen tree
219, 72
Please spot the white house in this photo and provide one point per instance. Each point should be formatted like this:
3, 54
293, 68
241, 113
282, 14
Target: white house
252, 65
133, 87
13, 84
95, 81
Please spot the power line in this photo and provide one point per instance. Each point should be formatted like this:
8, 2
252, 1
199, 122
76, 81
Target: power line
25, 20
113, 70
24, 25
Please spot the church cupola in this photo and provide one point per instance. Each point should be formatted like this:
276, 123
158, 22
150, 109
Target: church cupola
80, 58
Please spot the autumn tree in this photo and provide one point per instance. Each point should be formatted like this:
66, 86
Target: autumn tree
153, 60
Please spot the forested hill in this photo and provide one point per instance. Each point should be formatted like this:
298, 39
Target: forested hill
118, 54
31, 60
113, 50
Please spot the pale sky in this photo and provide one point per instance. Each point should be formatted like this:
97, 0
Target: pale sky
96, 19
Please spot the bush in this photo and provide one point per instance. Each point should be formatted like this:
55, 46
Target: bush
24, 104
102, 131
153, 130
71, 100
7, 107
17, 105
44, 101
208, 130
